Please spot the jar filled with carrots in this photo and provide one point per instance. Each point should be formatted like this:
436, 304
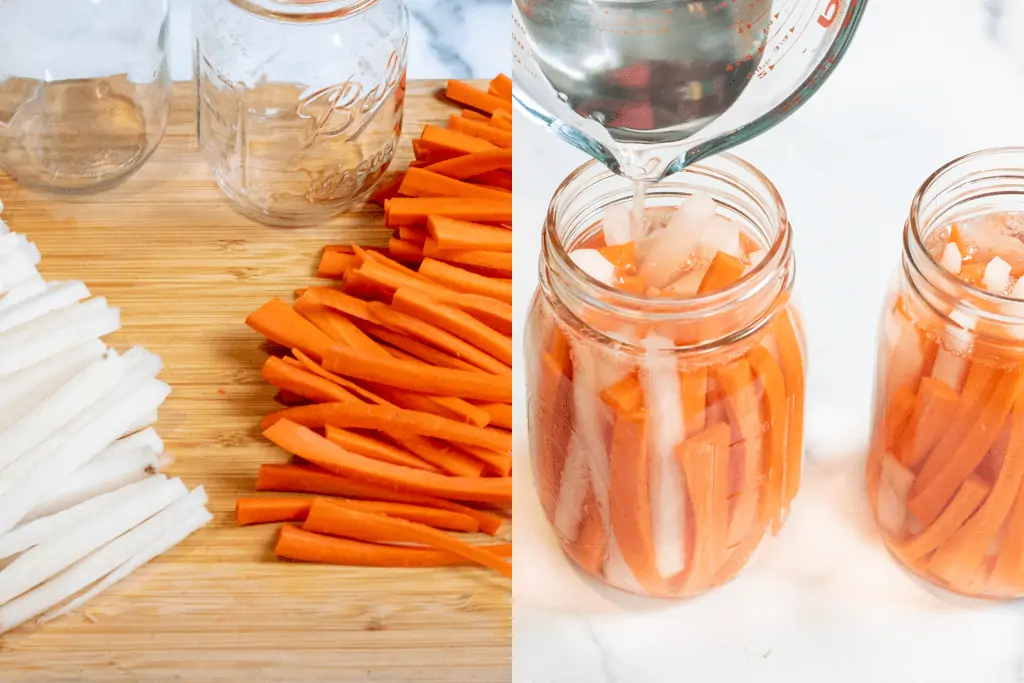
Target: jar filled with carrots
946, 469
665, 375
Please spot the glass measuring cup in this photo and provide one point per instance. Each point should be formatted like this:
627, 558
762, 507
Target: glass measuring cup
649, 87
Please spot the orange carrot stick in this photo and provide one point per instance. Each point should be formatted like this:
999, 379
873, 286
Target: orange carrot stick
303, 546
374, 448
414, 210
427, 354
500, 414
411, 233
499, 464
454, 140
501, 122
339, 301
694, 391
767, 372
470, 165
724, 270
502, 87
459, 323
418, 376
451, 235
491, 260
279, 323
744, 414
590, 546
792, 364
626, 396
269, 510
388, 189
309, 446
704, 457
296, 509
466, 94
494, 179
934, 409
336, 326
419, 182
360, 392
390, 419
442, 455
407, 251
483, 131
304, 479
334, 265
629, 501
964, 503
462, 280
328, 518
303, 383
473, 115
1008, 573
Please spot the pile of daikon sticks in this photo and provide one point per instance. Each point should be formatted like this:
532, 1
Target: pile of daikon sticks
82, 503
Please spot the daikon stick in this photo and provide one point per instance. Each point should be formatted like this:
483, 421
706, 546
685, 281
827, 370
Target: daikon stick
26, 290
722, 235
54, 320
10, 241
660, 381
79, 327
37, 565
616, 225
45, 476
97, 478
593, 263
1018, 289
38, 531
17, 266
893, 491
22, 391
997, 276
147, 438
182, 529
57, 295
71, 399
952, 260
143, 422
591, 375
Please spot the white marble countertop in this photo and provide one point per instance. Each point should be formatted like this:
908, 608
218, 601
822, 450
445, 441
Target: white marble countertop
925, 81
447, 39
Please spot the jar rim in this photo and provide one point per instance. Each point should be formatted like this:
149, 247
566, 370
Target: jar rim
304, 11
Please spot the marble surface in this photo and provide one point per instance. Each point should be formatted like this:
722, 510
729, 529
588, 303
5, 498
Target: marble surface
925, 81
447, 38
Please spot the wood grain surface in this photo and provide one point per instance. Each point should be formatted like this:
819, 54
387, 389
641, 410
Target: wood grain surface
185, 269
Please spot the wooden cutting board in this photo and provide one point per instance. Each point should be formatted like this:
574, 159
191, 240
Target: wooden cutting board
185, 269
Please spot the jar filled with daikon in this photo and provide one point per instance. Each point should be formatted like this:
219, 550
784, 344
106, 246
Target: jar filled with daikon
946, 468
665, 375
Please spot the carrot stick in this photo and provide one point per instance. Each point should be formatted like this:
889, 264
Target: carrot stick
502, 87
744, 414
694, 390
410, 233
501, 180
454, 140
934, 409
459, 323
304, 479
704, 457
269, 510
362, 393
473, 115
303, 383
416, 326
483, 131
388, 189
414, 210
418, 377
408, 251
339, 301
1008, 573
629, 502
792, 363
328, 518
303, 546
360, 287
964, 552
390, 419
310, 446
497, 463
964, 503
334, 265
501, 119
470, 165
374, 448
336, 326
425, 353
767, 372
462, 280
926, 502
491, 260
287, 398
500, 414
443, 455
279, 323
589, 547
724, 270
432, 151
466, 94
626, 396
451, 235
420, 182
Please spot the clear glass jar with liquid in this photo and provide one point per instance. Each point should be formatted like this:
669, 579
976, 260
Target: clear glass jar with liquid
300, 104
84, 90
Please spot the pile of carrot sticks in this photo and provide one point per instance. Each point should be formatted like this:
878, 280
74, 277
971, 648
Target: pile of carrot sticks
398, 380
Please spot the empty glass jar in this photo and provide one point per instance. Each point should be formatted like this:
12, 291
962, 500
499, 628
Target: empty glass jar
84, 90
300, 104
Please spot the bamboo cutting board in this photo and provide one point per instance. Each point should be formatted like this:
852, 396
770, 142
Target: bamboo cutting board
185, 269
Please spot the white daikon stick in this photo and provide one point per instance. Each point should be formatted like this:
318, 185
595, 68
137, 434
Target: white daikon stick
75, 325
594, 264
26, 290
143, 422
34, 485
591, 376
147, 438
21, 391
572, 490
9, 241
70, 400
952, 260
950, 368
18, 266
54, 320
97, 478
616, 225
57, 295
659, 378
893, 492
722, 235
37, 565
182, 529
997, 276
41, 530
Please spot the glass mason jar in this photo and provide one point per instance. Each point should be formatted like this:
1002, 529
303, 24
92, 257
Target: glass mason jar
946, 465
667, 492
300, 104
84, 90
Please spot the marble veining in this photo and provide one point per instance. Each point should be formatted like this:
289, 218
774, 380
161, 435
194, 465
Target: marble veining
925, 81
